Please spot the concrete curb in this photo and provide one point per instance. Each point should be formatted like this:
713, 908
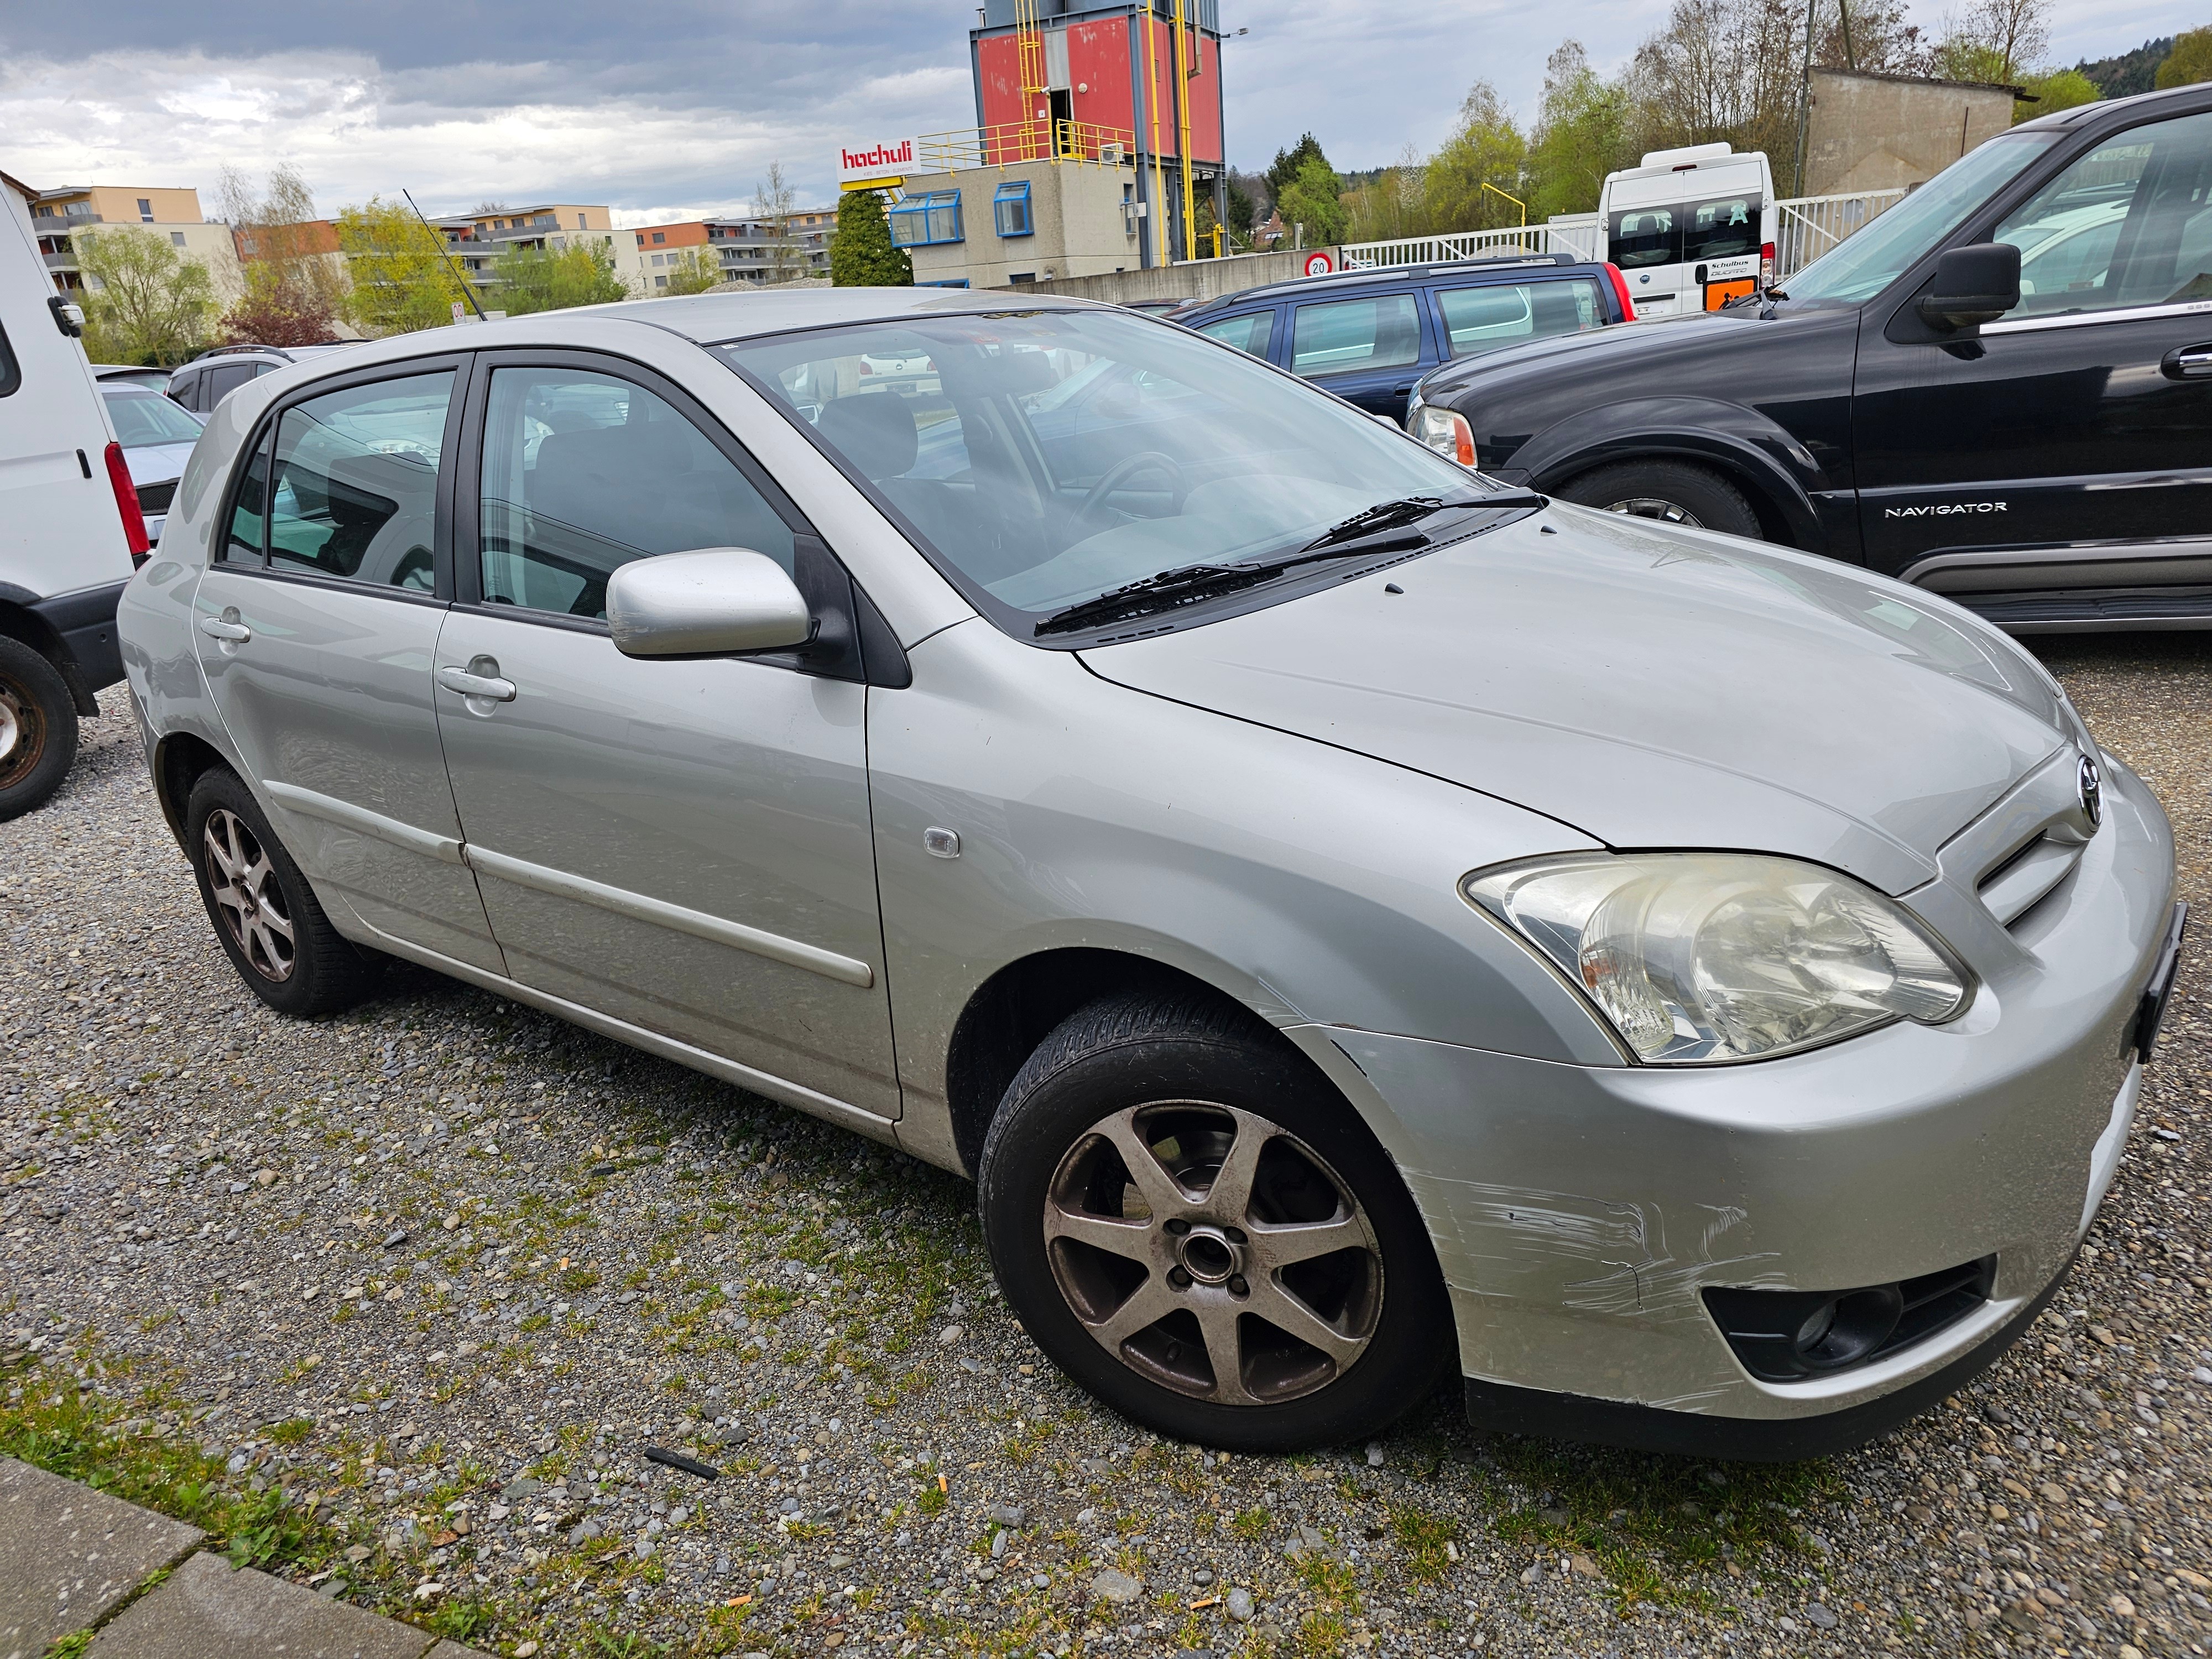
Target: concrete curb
70, 1557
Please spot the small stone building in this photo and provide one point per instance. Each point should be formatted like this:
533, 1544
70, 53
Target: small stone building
1871, 132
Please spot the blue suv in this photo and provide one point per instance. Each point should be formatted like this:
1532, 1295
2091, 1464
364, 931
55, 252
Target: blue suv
1369, 334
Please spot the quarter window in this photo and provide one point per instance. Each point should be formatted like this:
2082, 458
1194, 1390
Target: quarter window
356, 483
2129, 224
1478, 320
1355, 334
1249, 333
244, 544
583, 473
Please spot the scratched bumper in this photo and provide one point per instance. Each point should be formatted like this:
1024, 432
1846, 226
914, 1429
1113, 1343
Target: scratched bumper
1578, 1211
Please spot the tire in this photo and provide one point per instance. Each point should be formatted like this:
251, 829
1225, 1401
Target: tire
1179, 1080
38, 729
1674, 492
262, 908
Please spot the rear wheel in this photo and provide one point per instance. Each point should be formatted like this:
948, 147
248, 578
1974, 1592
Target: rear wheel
1195, 1226
1673, 492
38, 729
264, 912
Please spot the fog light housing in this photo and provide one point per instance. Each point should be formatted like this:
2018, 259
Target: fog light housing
1792, 1336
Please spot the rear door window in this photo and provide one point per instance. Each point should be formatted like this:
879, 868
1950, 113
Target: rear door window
217, 384
1347, 336
1479, 320
356, 483
1722, 229
1645, 236
1250, 333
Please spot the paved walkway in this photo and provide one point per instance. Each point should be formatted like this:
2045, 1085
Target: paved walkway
70, 1557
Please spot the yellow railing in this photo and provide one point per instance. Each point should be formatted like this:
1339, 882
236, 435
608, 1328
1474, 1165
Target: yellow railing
1024, 140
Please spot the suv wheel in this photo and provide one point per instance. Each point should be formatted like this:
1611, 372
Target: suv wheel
1192, 1224
264, 912
38, 729
1675, 492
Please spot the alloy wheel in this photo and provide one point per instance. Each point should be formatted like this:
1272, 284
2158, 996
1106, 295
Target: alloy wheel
22, 734
1654, 507
1214, 1253
243, 879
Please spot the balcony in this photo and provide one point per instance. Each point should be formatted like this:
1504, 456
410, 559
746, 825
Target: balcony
1082, 142
65, 260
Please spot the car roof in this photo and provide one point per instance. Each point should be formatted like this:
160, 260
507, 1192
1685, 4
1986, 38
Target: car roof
2120, 109
714, 318
1499, 265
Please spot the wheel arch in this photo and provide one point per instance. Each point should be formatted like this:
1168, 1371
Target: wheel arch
20, 622
1012, 1011
180, 760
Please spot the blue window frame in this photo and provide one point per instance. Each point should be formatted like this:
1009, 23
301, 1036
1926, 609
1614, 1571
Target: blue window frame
949, 282
925, 220
1010, 209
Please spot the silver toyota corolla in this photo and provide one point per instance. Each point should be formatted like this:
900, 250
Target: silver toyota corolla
1347, 915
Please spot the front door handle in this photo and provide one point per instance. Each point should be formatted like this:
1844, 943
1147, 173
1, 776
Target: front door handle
2192, 362
490, 687
226, 627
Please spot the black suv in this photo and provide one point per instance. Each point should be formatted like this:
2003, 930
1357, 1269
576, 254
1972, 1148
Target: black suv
2000, 389
1369, 334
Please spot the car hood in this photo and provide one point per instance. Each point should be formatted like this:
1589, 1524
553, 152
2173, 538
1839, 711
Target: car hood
1593, 346
1648, 686
155, 463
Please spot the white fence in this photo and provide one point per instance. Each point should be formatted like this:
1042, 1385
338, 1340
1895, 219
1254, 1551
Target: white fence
1806, 227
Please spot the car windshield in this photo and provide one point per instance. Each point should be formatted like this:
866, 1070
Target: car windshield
1041, 458
142, 418
1863, 265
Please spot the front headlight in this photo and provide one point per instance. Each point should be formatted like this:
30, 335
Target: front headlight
1711, 956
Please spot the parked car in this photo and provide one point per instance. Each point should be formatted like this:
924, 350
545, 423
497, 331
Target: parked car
2000, 389
1232, 824
154, 380
69, 527
217, 373
157, 438
1369, 336
1690, 229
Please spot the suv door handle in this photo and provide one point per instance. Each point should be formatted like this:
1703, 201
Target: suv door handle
476, 685
226, 627
2192, 362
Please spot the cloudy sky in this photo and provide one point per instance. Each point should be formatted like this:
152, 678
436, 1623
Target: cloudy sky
679, 106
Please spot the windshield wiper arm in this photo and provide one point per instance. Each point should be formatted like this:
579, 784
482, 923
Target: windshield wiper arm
1379, 529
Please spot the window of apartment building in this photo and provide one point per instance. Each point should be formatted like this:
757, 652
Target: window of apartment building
176, 238
929, 220
660, 281
145, 211
658, 237
580, 225
1010, 209
661, 259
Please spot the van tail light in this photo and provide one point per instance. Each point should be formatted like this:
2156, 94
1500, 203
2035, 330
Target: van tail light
1620, 292
126, 503
1446, 433
1765, 267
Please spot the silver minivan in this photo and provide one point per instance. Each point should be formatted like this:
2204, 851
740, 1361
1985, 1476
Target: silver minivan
1349, 917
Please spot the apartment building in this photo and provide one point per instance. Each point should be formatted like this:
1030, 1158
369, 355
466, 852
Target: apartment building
476, 239
754, 250
60, 217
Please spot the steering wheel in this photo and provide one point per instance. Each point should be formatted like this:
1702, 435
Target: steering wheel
1127, 467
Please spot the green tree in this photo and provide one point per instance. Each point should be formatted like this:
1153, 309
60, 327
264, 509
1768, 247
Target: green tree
1993, 41
142, 303
860, 253
1391, 204
1583, 131
549, 279
1289, 163
1311, 197
402, 278
1243, 214
1488, 150
2190, 62
692, 272
2055, 89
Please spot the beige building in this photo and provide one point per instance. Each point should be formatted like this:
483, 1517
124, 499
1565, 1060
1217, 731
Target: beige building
62, 218
1019, 222
752, 250
476, 239
1870, 132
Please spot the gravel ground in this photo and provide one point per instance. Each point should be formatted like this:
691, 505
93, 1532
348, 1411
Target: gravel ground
441, 1270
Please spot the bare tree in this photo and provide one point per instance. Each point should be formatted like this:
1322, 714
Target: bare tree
1995, 40
1722, 70
295, 282
772, 204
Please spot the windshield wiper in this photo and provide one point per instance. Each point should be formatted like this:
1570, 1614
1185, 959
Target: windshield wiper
1384, 528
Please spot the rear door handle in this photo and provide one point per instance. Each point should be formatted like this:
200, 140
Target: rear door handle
476, 685
2192, 362
228, 628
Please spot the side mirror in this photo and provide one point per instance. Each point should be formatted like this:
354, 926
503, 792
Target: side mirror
1973, 285
708, 603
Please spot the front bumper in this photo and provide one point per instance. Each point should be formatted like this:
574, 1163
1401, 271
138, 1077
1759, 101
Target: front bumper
1579, 1212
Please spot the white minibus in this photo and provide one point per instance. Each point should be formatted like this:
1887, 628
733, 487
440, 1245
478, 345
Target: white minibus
1692, 228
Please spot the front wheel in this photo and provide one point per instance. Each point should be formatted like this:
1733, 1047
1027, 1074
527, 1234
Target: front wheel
1673, 492
1192, 1224
38, 729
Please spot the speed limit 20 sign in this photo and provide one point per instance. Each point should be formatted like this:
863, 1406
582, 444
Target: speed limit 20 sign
1319, 265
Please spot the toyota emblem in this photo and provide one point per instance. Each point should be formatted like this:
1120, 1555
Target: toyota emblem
2092, 793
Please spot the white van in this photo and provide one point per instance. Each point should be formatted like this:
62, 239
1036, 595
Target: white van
1691, 228
70, 531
